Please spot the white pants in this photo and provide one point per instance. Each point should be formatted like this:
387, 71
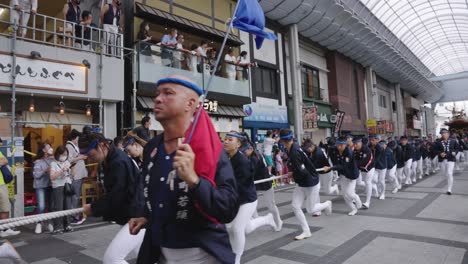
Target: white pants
123, 244
465, 152
427, 165
242, 225
419, 168
309, 195
435, 164
231, 75
348, 189
368, 178
110, 38
447, 169
268, 198
21, 19
458, 161
407, 170
326, 183
400, 175
380, 176
392, 176
186, 256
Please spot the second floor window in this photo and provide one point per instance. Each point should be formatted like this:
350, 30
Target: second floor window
265, 81
310, 83
383, 101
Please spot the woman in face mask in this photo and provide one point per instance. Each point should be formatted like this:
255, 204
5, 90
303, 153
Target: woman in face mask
42, 180
59, 175
124, 243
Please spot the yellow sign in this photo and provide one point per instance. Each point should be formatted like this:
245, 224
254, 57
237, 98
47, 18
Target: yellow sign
371, 123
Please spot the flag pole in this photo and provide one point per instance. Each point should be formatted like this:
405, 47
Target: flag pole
210, 80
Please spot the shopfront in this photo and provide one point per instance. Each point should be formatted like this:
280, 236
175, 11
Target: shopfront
318, 121
263, 117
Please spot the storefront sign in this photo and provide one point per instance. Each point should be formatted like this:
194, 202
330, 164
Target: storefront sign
266, 113
340, 115
211, 106
309, 117
371, 123
380, 127
44, 74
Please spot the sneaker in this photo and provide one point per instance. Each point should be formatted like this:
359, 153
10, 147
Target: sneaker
57, 231
449, 193
9, 252
302, 236
79, 222
420, 177
382, 196
270, 220
38, 229
316, 214
365, 206
395, 190
329, 209
68, 229
9, 232
353, 212
50, 227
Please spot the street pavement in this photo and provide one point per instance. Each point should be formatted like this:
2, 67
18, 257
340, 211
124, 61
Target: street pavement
420, 224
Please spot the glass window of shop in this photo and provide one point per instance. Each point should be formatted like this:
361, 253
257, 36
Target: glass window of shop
265, 81
310, 83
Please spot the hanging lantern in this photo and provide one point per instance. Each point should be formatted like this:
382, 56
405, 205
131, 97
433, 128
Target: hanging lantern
88, 110
62, 107
32, 106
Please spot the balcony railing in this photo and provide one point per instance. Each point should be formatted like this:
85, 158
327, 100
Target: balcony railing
154, 63
61, 33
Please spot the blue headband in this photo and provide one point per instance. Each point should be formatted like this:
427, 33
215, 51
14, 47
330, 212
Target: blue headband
357, 140
341, 142
244, 149
129, 142
185, 83
288, 137
235, 135
91, 147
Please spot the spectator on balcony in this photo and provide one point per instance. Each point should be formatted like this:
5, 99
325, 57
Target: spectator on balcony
83, 31
179, 52
243, 66
212, 62
168, 44
193, 58
144, 37
110, 18
231, 62
21, 13
201, 51
71, 14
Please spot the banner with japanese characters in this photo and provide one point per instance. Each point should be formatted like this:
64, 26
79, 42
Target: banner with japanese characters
44, 74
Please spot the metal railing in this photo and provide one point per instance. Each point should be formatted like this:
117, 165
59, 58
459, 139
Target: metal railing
188, 61
61, 33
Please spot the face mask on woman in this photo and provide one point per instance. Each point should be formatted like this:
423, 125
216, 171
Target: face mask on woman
50, 151
63, 158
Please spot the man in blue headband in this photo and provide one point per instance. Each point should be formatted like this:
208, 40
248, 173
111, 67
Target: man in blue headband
447, 149
190, 189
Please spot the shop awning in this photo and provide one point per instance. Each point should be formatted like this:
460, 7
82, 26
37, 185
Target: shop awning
229, 111
145, 103
155, 15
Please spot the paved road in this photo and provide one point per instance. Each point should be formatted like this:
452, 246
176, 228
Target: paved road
420, 224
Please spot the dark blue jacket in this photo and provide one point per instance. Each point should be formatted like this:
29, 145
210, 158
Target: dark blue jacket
304, 172
220, 202
449, 147
399, 156
433, 150
319, 159
380, 162
261, 172
364, 158
407, 152
244, 173
391, 160
425, 152
417, 155
123, 183
345, 164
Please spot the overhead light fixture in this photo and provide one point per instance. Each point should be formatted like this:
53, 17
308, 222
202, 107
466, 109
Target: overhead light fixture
88, 109
36, 54
87, 64
62, 107
32, 106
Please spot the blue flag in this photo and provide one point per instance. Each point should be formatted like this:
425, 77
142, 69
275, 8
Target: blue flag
250, 18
